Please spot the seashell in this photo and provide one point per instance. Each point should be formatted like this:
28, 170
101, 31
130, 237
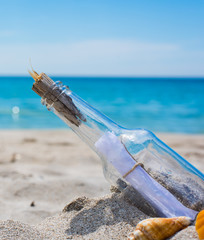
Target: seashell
200, 224
159, 228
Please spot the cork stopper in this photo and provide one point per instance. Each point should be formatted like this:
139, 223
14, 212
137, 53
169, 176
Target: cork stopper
56, 97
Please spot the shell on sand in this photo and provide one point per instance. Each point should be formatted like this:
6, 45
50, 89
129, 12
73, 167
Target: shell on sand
200, 224
159, 228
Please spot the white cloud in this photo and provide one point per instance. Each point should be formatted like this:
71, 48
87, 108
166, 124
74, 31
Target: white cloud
101, 57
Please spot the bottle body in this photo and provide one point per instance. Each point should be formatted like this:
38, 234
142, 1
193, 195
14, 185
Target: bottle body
162, 167
168, 168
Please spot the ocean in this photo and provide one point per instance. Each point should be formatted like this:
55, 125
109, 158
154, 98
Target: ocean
157, 104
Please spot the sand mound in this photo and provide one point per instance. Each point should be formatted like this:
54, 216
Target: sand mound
103, 218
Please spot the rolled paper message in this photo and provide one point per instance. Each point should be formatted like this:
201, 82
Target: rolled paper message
159, 197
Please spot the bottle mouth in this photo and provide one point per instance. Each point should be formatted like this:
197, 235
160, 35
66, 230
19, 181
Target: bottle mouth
57, 96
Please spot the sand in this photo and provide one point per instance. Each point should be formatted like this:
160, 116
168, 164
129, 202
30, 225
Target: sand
41, 172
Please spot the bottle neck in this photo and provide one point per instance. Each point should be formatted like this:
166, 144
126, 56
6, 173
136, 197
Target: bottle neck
91, 124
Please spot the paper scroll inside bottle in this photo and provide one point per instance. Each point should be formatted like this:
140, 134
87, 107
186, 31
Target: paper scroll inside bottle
161, 199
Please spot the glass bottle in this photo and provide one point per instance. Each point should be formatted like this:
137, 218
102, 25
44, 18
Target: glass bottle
134, 159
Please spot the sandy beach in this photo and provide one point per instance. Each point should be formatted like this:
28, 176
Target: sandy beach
52, 187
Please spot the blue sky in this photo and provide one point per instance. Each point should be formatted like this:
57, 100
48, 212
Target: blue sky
103, 38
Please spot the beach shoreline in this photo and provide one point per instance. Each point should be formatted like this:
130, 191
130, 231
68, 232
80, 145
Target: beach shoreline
44, 170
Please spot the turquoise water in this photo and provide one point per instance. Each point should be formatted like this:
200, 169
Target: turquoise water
160, 105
